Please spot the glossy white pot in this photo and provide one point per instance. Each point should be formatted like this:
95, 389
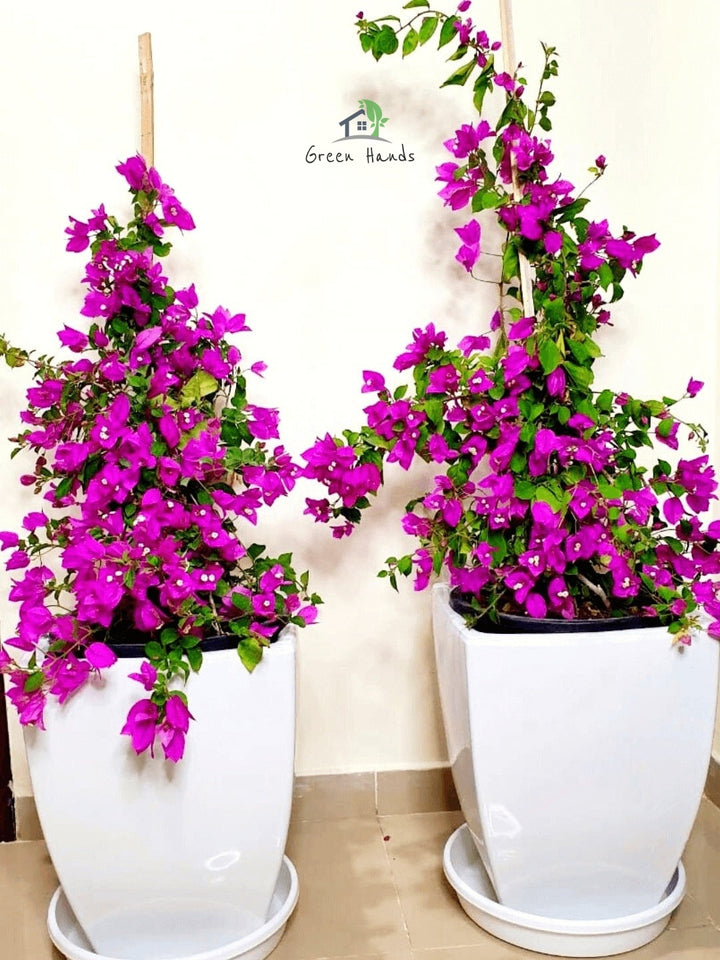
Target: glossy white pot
160, 860
579, 759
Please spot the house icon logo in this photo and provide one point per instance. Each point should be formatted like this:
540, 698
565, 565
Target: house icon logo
364, 124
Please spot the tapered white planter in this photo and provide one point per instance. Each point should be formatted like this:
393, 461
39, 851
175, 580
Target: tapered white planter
579, 760
157, 860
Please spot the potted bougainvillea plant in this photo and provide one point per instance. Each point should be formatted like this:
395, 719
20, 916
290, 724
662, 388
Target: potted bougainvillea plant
547, 514
141, 586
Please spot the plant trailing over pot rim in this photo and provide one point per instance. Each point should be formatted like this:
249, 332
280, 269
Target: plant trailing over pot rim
543, 505
149, 452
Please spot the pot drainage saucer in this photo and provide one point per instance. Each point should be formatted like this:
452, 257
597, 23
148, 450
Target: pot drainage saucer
68, 936
565, 938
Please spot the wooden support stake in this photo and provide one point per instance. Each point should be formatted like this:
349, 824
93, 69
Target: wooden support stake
510, 63
147, 119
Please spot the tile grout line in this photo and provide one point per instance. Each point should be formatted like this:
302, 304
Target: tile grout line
394, 881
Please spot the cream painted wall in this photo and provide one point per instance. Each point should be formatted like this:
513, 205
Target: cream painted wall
334, 264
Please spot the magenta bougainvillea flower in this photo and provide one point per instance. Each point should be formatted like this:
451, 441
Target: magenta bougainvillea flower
542, 507
153, 468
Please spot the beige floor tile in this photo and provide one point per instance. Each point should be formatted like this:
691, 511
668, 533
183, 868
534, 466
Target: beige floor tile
432, 912
702, 861
363, 897
698, 943
27, 881
487, 948
415, 791
689, 914
348, 905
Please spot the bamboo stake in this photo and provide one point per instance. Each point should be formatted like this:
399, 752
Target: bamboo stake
147, 118
507, 34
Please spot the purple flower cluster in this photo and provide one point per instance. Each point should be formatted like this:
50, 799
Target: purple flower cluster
148, 456
524, 515
542, 203
540, 505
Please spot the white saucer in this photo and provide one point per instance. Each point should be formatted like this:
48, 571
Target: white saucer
68, 936
566, 938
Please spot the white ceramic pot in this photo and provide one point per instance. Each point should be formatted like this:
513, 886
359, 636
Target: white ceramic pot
579, 759
159, 860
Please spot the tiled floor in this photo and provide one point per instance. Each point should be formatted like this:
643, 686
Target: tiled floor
372, 887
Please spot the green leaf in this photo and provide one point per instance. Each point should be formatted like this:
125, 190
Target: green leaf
415, 3
199, 385
482, 85
460, 76
510, 262
404, 565
570, 211
255, 550
527, 434
665, 427
554, 309
459, 53
524, 490
604, 401
168, 635
435, 411
194, 658
485, 199
63, 488
550, 356
576, 473
582, 376
34, 682
250, 652
608, 490
427, 28
496, 539
546, 495
449, 29
579, 349
385, 41
412, 38
605, 275
153, 650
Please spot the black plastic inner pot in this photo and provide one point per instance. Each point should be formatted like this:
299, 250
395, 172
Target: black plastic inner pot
517, 623
136, 647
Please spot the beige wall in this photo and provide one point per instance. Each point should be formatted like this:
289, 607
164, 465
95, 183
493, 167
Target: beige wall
334, 264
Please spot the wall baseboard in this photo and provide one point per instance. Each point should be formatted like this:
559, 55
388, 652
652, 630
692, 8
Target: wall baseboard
382, 792
332, 797
712, 784
343, 795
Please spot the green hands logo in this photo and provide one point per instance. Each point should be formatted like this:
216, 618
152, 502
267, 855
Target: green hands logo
375, 116
365, 123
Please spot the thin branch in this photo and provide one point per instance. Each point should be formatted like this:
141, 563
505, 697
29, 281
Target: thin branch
597, 590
